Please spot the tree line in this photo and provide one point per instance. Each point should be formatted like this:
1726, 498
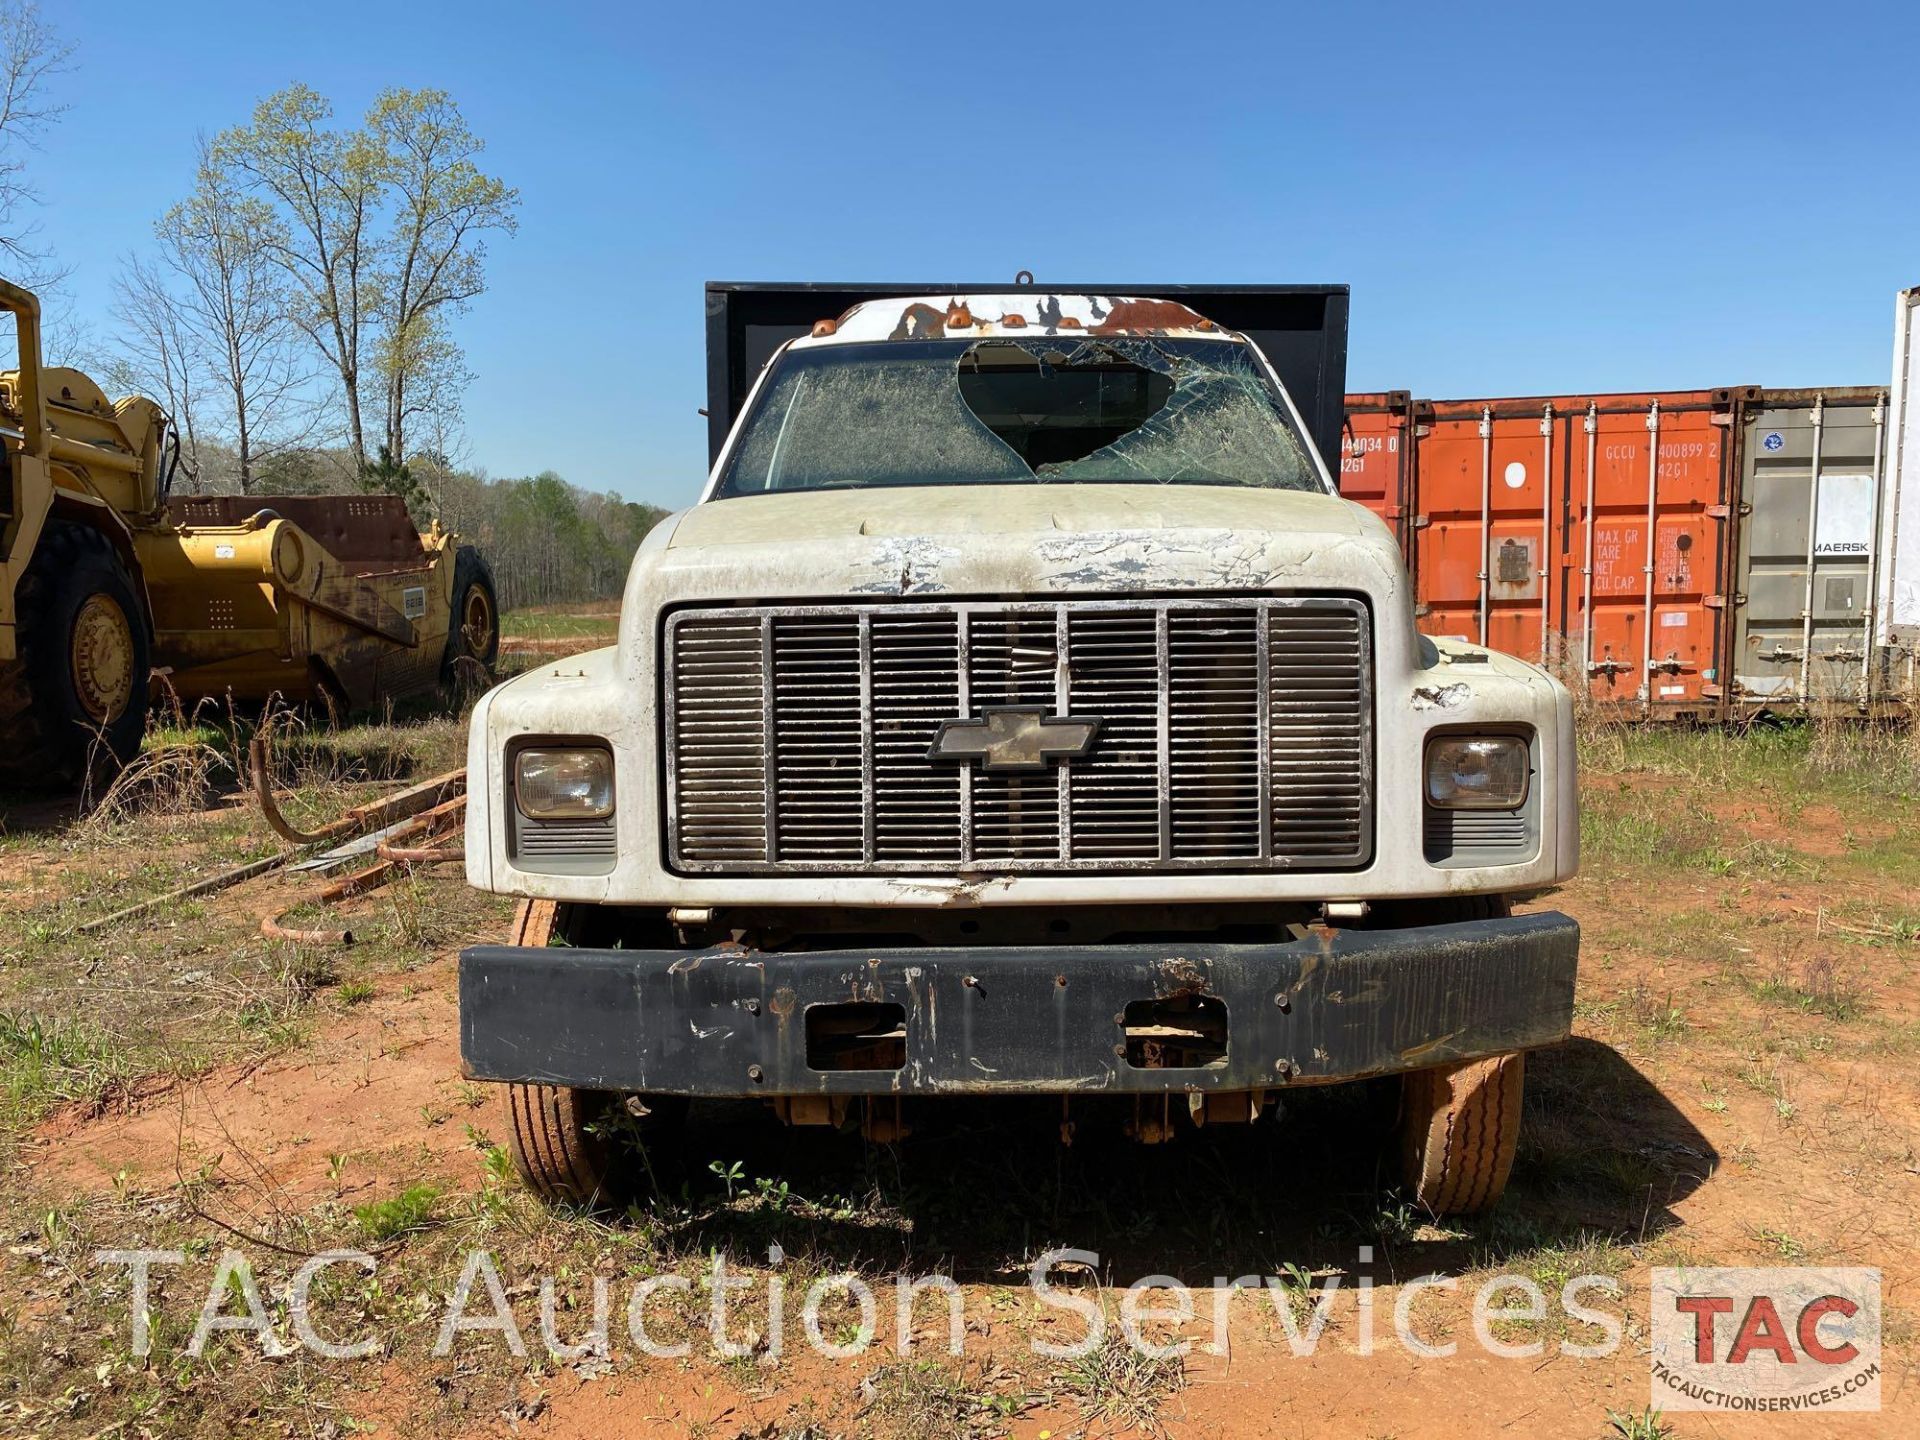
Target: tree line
548, 542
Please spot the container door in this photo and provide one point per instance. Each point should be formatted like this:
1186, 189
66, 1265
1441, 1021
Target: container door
1375, 458
1896, 559
1650, 647
1484, 481
1810, 479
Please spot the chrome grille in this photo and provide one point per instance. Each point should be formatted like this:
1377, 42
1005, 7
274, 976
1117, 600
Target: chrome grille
718, 747
1234, 735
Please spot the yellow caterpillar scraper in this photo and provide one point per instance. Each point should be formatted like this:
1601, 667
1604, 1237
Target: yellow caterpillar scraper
110, 592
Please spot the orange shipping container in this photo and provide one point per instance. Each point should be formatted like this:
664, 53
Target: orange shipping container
1376, 456
1529, 524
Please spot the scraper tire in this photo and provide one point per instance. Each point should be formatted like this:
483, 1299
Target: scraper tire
473, 624
74, 704
1459, 1126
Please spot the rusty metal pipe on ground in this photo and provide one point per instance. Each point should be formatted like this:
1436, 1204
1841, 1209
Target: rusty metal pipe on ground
273, 929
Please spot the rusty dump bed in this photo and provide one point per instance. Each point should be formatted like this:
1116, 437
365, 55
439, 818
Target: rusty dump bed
371, 534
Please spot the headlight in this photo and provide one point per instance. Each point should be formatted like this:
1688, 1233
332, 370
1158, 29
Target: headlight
1477, 772
564, 784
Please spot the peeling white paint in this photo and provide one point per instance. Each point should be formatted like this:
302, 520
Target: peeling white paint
1442, 697
901, 565
1173, 558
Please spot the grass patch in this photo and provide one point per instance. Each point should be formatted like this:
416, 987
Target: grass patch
1820, 990
1655, 1013
544, 624
407, 1213
1114, 1381
931, 1402
1647, 1425
1811, 760
44, 1063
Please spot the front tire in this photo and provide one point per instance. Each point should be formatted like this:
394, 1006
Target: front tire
585, 1148
1459, 1128
562, 1145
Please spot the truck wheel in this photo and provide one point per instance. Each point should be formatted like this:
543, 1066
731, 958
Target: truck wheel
77, 697
473, 626
582, 1147
1459, 1125
558, 1144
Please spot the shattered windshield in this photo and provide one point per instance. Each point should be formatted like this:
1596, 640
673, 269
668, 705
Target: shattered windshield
1053, 409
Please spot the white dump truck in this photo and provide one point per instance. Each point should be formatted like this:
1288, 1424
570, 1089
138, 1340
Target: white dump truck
1020, 711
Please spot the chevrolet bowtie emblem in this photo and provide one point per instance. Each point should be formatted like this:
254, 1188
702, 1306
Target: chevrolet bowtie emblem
1014, 737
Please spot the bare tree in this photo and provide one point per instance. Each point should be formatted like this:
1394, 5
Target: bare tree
432, 262
160, 354
233, 300
426, 379
31, 54
381, 232
326, 188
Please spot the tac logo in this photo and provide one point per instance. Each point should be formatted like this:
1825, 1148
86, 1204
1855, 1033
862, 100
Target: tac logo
1765, 1340
1774, 440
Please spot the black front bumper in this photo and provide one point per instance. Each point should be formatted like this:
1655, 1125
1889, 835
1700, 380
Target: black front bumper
1338, 1005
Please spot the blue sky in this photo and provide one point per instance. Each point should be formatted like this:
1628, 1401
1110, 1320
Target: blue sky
1524, 200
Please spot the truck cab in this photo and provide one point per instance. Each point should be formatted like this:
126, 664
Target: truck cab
1020, 710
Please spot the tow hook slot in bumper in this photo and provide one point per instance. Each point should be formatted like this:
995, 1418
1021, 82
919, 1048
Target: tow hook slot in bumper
1058, 1019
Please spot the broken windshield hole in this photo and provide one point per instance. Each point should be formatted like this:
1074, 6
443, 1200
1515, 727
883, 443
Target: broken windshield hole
1053, 408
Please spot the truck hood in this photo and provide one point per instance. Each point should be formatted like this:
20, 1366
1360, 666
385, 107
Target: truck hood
1015, 539
1007, 509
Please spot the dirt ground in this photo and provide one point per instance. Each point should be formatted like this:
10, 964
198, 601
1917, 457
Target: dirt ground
1743, 1088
